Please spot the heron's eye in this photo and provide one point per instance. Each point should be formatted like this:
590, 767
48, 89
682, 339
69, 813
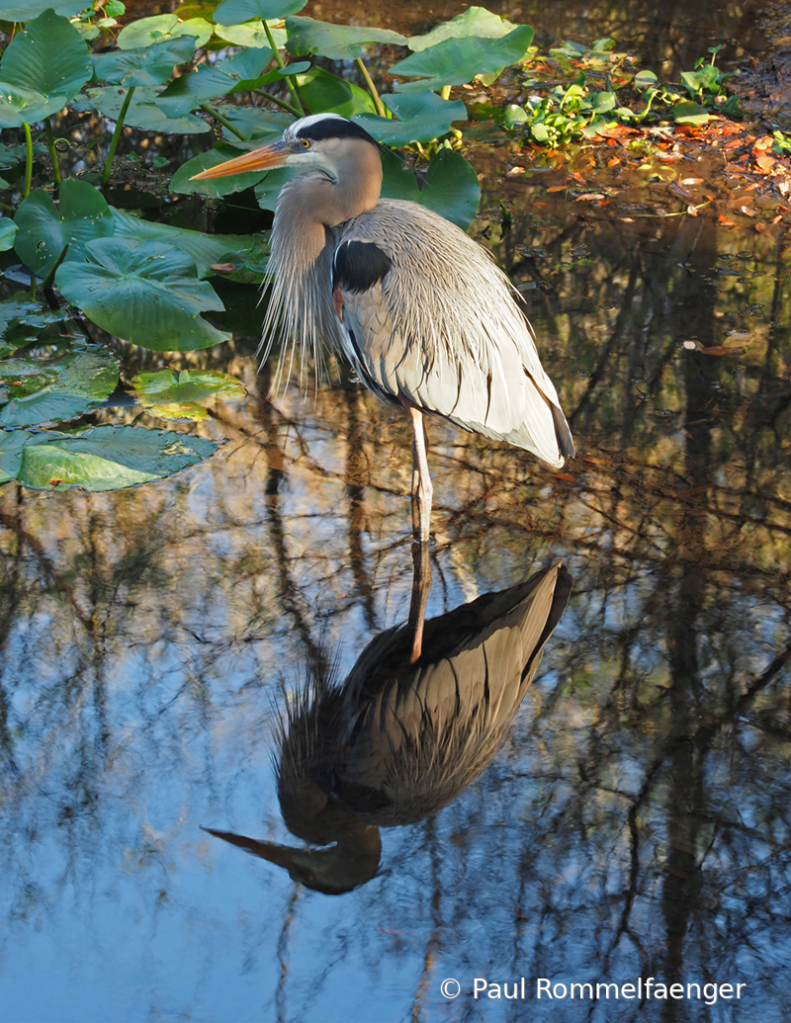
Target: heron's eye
305, 143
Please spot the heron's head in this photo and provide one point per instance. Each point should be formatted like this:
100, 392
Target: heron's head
326, 142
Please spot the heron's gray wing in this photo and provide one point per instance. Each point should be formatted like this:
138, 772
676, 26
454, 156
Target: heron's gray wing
439, 329
416, 735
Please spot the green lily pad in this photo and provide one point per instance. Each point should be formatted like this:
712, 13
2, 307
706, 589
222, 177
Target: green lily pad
422, 117
338, 42
148, 294
455, 61
323, 93
203, 249
450, 187
8, 230
172, 395
231, 12
146, 65
475, 21
43, 67
101, 458
35, 390
143, 111
240, 73
46, 229
29, 9
688, 112
156, 29
268, 189
257, 123
251, 33
22, 321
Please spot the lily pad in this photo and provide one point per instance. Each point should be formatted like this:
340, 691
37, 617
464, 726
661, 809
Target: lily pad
172, 395
251, 33
142, 112
146, 31
456, 61
46, 229
450, 187
101, 458
44, 66
231, 12
338, 42
22, 321
146, 65
8, 230
322, 93
203, 249
29, 9
35, 390
240, 73
148, 294
687, 112
422, 117
475, 21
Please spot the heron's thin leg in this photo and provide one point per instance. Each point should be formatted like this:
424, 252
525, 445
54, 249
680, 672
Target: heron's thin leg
422, 494
421, 585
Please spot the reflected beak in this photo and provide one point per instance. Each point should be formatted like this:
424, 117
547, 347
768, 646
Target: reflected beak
282, 855
257, 160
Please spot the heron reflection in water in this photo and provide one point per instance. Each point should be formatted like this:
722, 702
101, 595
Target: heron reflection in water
419, 309
399, 740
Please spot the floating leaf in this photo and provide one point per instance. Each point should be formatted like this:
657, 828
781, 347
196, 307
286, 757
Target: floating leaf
172, 395
251, 33
30, 9
101, 458
21, 321
422, 117
146, 31
143, 111
241, 72
8, 230
475, 21
338, 42
268, 189
46, 229
203, 249
147, 294
450, 187
688, 112
231, 12
43, 67
322, 93
456, 61
146, 65
35, 390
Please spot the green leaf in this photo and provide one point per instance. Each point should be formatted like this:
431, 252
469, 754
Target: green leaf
338, 42
645, 79
688, 112
146, 31
181, 181
475, 21
29, 9
203, 249
602, 101
7, 231
147, 65
268, 189
250, 34
456, 61
322, 93
37, 390
102, 458
231, 12
241, 72
450, 188
43, 67
21, 321
422, 117
257, 123
172, 395
143, 112
148, 294
45, 229
514, 115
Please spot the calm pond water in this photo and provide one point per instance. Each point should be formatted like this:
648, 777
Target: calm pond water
635, 822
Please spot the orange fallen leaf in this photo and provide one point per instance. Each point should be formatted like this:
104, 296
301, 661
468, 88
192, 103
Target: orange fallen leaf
590, 195
765, 162
764, 142
777, 219
558, 188
614, 161
722, 219
563, 476
222, 268
692, 181
577, 177
55, 481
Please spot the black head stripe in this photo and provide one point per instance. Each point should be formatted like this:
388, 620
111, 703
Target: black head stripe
334, 128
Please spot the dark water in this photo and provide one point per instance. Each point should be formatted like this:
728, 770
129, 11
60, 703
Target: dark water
634, 824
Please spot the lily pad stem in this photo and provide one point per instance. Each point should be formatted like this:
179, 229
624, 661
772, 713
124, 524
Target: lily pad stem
53, 153
280, 102
380, 107
281, 64
119, 127
47, 285
445, 92
28, 160
223, 121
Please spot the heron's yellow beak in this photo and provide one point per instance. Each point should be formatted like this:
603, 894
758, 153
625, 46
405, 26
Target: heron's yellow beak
257, 160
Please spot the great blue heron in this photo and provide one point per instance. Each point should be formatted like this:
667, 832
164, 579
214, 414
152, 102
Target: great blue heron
420, 310
398, 741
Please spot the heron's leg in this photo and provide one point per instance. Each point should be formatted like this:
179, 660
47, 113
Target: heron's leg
423, 492
421, 585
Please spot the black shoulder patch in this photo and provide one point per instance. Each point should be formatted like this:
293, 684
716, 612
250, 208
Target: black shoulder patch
334, 128
357, 266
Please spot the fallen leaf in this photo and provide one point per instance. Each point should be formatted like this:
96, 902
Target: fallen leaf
692, 181
517, 170
577, 177
558, 188
764, 142
614, 161
692, 211
722, 219
765, 162
627, 220
222, 268
563, 476
690, 345
590, 195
